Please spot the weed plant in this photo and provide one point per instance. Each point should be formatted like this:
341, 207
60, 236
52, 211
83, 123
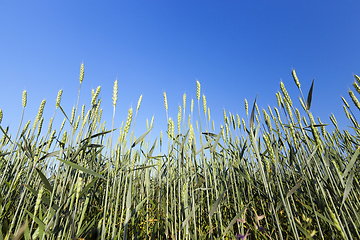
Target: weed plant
281, 176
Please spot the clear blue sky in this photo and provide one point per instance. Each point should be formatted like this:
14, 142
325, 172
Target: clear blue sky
236, 49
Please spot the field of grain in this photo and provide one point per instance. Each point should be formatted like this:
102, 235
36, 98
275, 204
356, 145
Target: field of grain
275, 174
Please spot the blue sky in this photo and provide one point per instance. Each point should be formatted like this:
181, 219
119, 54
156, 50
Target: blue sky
236, 49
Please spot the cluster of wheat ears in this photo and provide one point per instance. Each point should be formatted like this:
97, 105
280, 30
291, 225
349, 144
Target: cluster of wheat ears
280, 176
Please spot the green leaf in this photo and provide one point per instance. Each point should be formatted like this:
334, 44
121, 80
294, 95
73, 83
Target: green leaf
330, 222
213, 135
348, 186
252, 114
44, 180
183, 142
217, 140
315, 125
152, 149
203, 147
97, 135
95, 145
44, 199
352, 162
128, 202
88, 187
311, 156
81, 168
294, 188
88, 226
308, 101
50, 155
188, 217
140, 138
27, 148
4, 132
233, 221
216, 204
75, 154
38, 221
303, 231
138, 206
256, 133
144, 167
65, 115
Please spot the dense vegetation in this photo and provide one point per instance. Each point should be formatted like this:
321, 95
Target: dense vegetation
280, 176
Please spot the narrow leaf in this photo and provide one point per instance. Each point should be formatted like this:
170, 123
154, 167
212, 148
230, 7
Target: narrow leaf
81, 168
233, 221
252, 114
128, 205
352, 161
88, 187
304, 231
97, 135
4, 132
315, 125
217, 140
348, 186
188, 217
95, 145
330, 222
144, 167
80, 148
308, 101
294, 188
209, 134
27, 149
44, 198
88, 226
50, 155
184, 141
138, 206
140, 138
216, 204
65, 114
152, 149
256, 132
203, 147
44, 180
37, 220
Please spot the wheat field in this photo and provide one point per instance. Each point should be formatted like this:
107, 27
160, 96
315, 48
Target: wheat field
273, 174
